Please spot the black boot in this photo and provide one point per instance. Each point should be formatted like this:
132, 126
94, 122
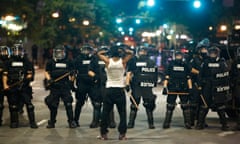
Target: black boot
13, 116
150, 119
69, 111
223, 120
112, 123
14, 119
96, 118
31, 116
78, 109
51, 124
238, 120
187, 118
1, 112
52, 121
193, 114
132, 117
168, 119
201, 118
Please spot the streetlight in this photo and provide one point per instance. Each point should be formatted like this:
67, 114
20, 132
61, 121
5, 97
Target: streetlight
86, 22
150, 3
223, 28
118, 20
197, 4
138, 21
55, 15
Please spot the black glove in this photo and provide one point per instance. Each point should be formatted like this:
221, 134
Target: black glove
95, 79
165, 91
47, 83
127, 88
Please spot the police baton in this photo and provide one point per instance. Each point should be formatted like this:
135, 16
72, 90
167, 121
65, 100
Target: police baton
202, 97
177, 93
12, 85
134, 101
59, 78
204, 101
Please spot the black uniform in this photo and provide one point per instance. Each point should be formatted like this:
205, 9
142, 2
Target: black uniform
235, 82
16, 70
1, 94
60, 89
84, 83
4, 57
214, 77
144, 78
195, 63
177, 75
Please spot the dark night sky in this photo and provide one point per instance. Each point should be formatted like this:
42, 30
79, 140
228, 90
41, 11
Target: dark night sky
195, 19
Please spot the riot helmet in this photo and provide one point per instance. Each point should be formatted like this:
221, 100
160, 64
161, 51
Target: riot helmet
214, 53
204, 43
202, 47
17, 51
142, 52
203, 52
104, 48
179, 57
59, 53
86, 50
5, 52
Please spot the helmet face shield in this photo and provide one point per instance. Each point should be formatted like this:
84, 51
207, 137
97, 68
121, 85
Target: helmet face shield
214, 52
86, 50
179, 56
17, 51
59, 53
5, 51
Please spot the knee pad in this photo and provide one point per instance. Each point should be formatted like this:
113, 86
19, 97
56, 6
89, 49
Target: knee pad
97, 105
13, 107
221, 108
133, 107
170, 107
185, 106
149, 105
30, 107
68, 105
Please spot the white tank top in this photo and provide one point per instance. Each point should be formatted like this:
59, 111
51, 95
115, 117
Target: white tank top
115, 74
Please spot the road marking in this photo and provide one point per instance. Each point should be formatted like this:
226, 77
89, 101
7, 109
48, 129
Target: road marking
222, 134
42, 122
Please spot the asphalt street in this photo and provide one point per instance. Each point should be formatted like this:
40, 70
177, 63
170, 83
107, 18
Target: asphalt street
177, 134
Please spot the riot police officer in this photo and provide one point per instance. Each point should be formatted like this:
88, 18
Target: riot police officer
98, 74
177, 83
214, 76
83, 81
143, 73
235, 84
17, 75
196, 62
59, 78
4, 56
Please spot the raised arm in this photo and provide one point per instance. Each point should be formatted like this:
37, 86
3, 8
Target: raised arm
129, 55
101, 55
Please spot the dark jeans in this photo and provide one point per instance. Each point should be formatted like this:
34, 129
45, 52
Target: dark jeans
114, 96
